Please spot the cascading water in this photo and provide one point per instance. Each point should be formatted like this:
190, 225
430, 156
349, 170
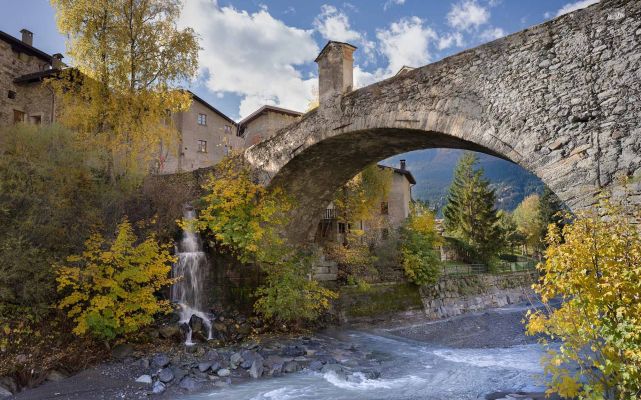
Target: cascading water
192, 268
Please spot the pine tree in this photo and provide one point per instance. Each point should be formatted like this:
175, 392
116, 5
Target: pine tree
551, 208
470, 214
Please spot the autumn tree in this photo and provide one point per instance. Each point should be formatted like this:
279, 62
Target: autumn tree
551, 209
528, 220
419, 243
470, 214
594, 266
129, 58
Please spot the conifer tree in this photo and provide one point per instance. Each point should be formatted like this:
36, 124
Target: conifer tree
470, 214
551, 208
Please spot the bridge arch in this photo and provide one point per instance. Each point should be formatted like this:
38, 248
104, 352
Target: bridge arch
560, 99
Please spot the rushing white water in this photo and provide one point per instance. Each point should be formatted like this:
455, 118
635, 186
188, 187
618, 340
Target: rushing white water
192, 268
410, 371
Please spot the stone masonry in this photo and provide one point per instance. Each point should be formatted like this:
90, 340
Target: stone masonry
561, 99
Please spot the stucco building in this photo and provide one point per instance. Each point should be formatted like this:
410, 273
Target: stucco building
265, 122
22, 69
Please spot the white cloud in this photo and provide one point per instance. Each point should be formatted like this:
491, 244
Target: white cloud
467, 14
390, 3
492, 34
406, 42
333, 24
252, 55
577, 5
451, 39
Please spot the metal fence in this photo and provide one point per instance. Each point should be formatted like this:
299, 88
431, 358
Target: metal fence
504, 267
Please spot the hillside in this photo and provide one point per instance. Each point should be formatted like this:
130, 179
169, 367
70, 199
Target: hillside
434, 168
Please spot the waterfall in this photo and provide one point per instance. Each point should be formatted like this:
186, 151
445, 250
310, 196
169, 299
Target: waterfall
192, 268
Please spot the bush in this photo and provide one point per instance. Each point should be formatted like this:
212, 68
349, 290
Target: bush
594, 265
110, 288
419, 255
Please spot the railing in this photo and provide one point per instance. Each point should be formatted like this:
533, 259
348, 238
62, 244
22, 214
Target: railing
475, 269
330, 213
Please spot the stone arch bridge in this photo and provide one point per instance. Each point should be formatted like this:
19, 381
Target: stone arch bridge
561, 99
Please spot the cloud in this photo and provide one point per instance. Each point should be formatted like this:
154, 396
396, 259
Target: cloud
390, 3
451, 39
577, 5
406, 42
253, 55
333, 24
467, 15
492, 34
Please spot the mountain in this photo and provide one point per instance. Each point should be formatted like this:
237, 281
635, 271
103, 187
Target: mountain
433, 170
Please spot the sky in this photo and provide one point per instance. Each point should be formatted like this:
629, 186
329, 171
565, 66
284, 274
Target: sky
257, 52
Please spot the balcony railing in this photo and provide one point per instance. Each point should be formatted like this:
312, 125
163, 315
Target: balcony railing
330, 213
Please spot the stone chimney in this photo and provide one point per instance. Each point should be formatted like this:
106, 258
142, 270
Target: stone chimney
335, 70
27, 37
56, 61
402, 165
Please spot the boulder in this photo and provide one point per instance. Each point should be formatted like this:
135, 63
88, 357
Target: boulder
256, 370
169, 331
332, 368
4, 393
160, 360
166, 375
235, 360
249, 356
204, 366
158, 387
274, 365
223, 372
143, 362
121, 351
212, 355
190, 384
316, 365
196, 323
144, 379
293, 351
9, 383
215, 366
291, 366
179, 373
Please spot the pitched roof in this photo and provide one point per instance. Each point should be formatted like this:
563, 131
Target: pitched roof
408, 175
214, 109
267, 108
19, 45
331, 42
36, 76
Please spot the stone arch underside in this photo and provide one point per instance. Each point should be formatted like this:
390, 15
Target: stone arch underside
562, 99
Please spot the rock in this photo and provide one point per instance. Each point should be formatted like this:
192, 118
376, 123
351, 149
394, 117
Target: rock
256, 370
179, 373
121, 351
204, 366
223, 372
190, 384
220, 327
196, 323
212, 355
166, 375
291, 366
9, 383
169, 331
249, 356
4, 393
143, 362
158, 387
160, 360
215, 366
332, 368
316, 365
55, 376
274, 365
235, 360
144, 379
293, 351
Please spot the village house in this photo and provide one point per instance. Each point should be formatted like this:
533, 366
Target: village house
263, 123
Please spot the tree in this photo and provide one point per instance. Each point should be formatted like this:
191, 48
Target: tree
512, 237
594, 266
551, 209
469, 214
110, 289
129, 58
420, 257
528, 220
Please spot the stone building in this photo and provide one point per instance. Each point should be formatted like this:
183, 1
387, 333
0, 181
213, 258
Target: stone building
206, 137
265, 122
22, 69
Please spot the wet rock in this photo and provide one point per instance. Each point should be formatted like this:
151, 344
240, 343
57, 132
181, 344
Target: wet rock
4, 393
144, 379
332, 368
169, 331
166, 375
316, 365
235, 360
204, 366
190, 384
291, 366
122, 351
143, 362
160, 360
223, 372
249, 356
293, 351
196, 323
179, 373
158, 387
55, 376
256, 370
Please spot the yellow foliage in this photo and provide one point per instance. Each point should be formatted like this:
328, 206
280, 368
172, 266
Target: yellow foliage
594, 266
109, 290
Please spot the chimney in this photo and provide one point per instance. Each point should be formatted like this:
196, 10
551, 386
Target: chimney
27, 37
402, 165
56, 61
335, 70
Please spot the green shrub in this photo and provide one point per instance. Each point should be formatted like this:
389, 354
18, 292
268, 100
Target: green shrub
419, 255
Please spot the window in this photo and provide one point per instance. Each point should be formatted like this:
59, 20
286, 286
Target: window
11, 94
341, 227
202, 146
18, 116
228, 129
384, 208
202, 119
35, 119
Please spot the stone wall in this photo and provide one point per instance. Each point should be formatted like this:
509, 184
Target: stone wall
449, 297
